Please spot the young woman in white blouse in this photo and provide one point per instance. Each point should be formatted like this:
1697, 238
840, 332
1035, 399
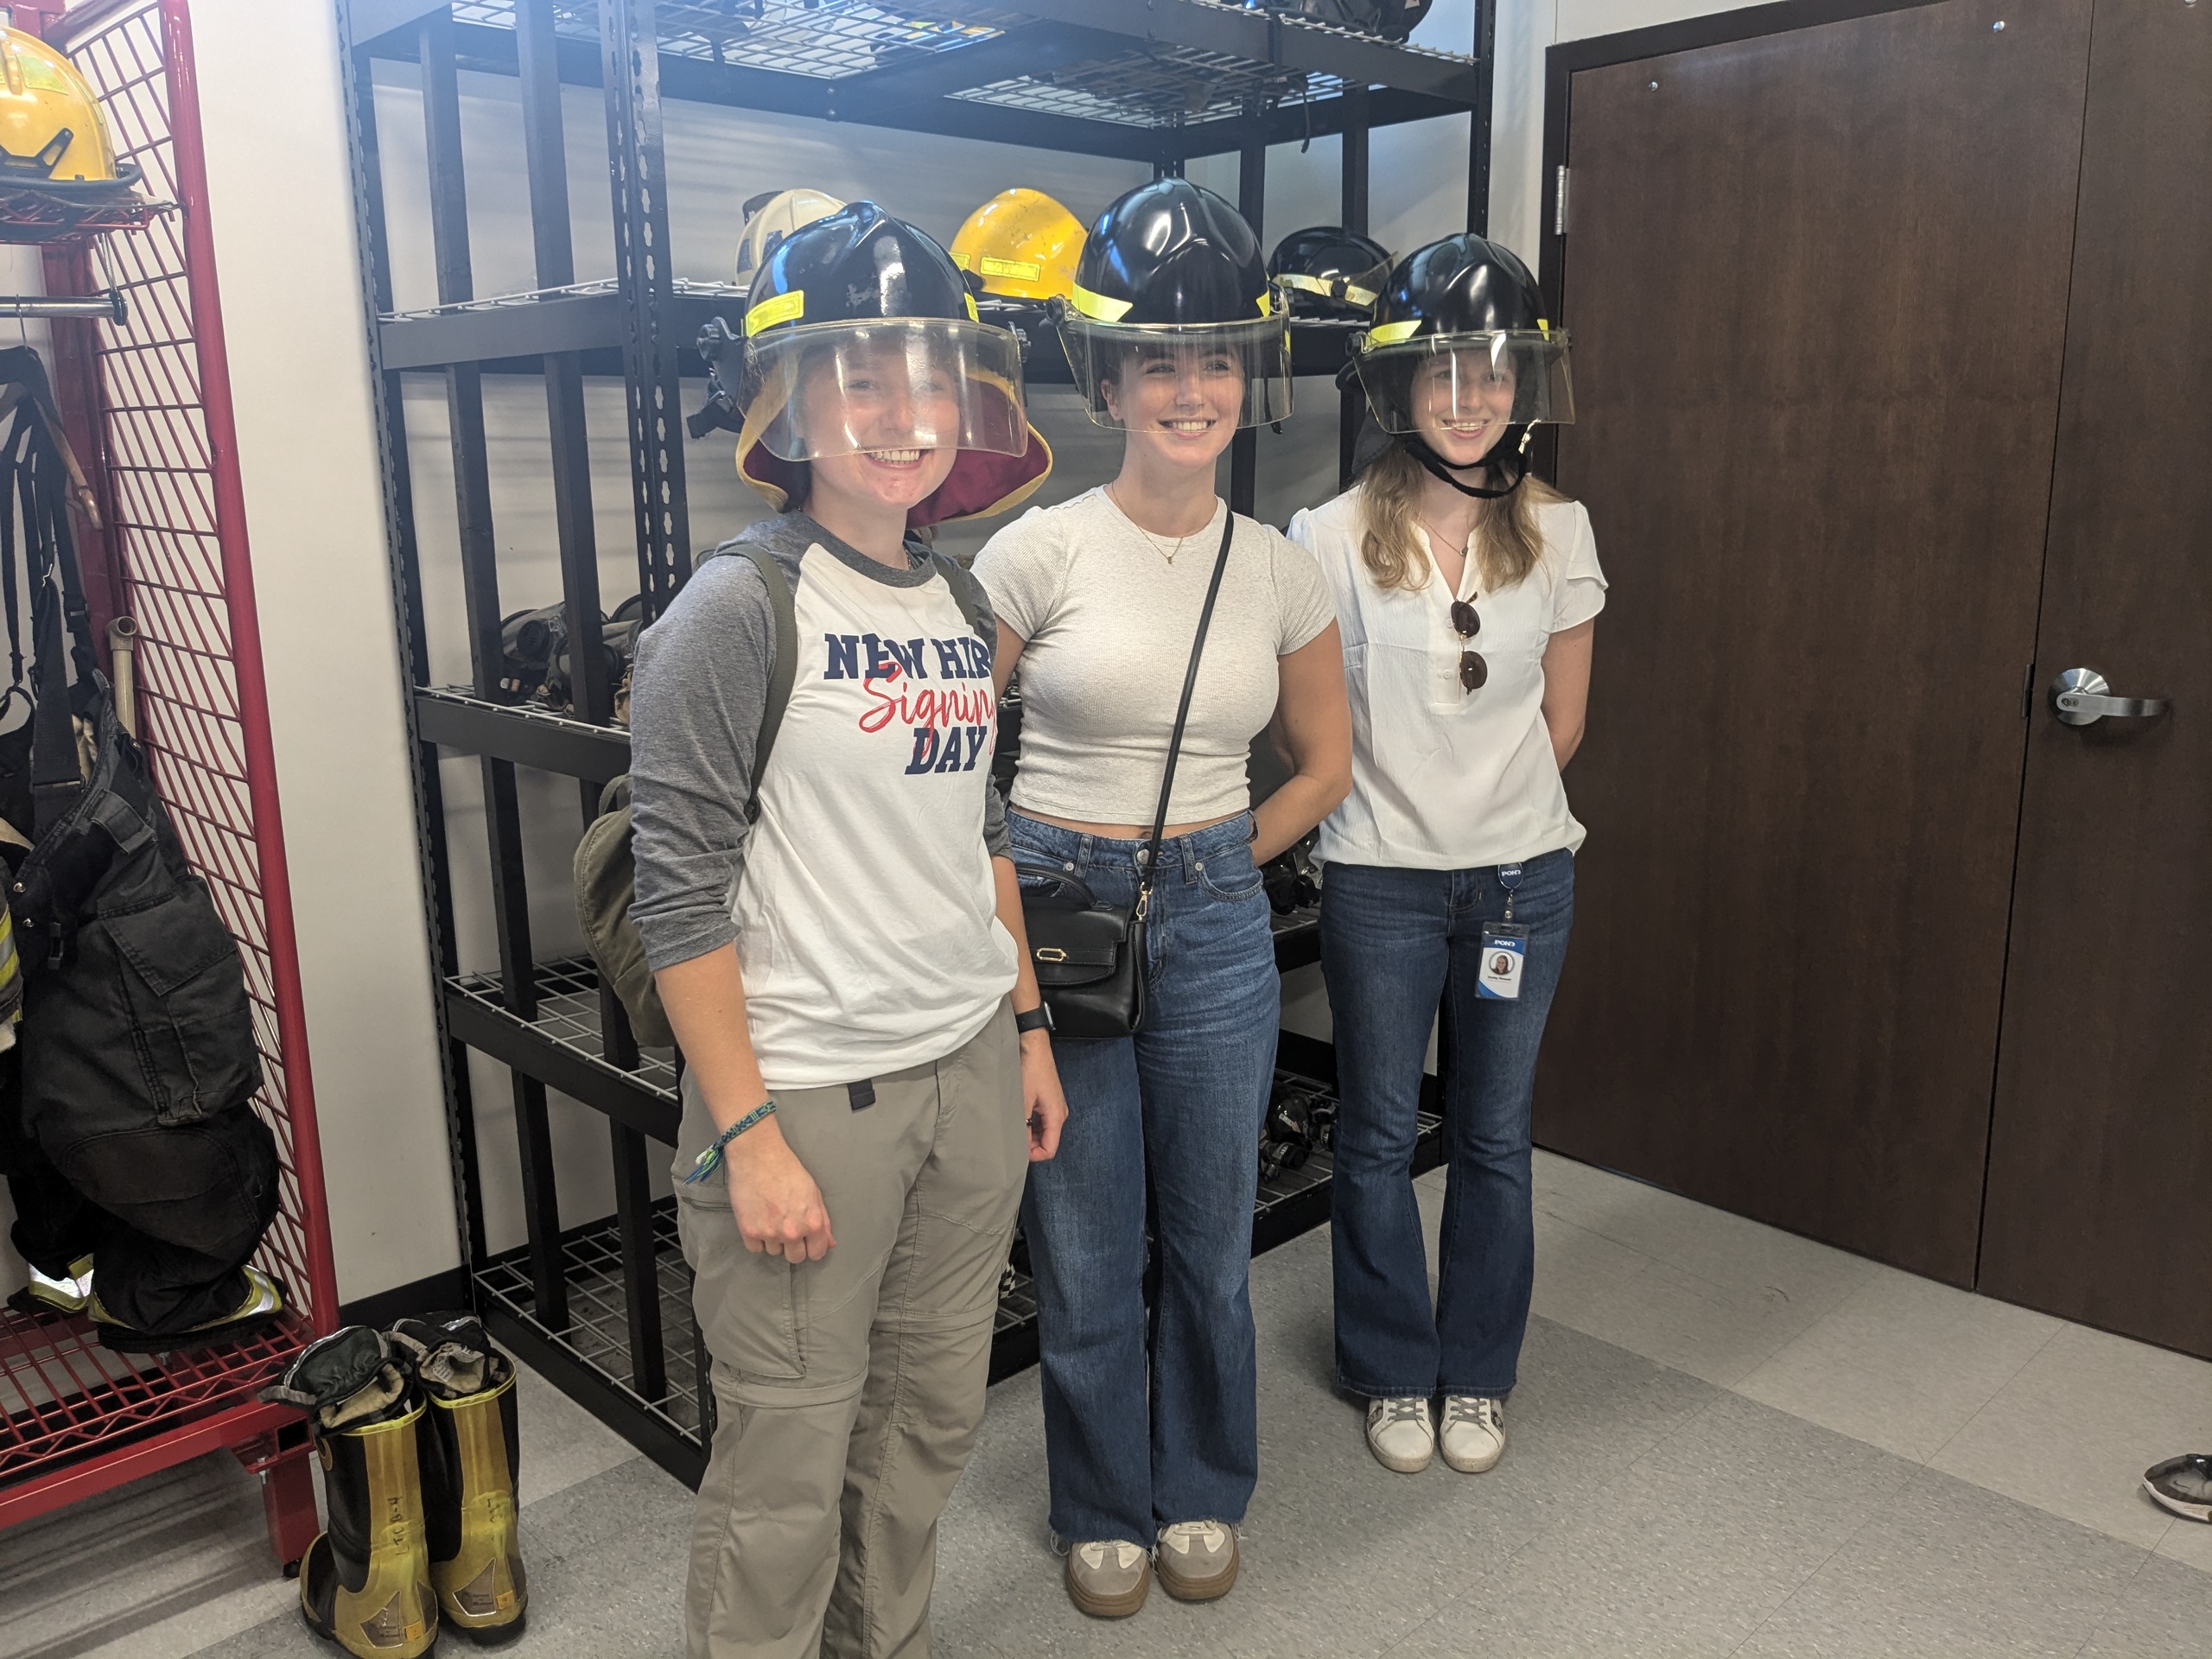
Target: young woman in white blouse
1151, 1424
1467, 592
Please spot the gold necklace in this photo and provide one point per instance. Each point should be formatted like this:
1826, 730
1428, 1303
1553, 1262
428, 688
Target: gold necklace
1155, 540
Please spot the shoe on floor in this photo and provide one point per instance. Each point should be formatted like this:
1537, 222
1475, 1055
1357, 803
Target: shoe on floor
1197, 1559
2183, 1484
1108, 1578
1474, 1435
1401, 1433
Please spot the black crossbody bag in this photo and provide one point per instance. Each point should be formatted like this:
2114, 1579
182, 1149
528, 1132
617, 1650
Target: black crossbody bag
1088, 957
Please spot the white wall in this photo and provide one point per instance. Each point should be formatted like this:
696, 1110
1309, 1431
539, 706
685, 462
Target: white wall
283, 220
280, 205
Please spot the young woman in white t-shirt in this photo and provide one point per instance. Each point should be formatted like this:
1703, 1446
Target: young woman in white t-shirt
1177, 337
1467, 592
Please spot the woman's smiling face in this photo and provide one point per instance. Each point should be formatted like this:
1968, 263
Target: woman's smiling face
1183, 400
898, 408
1462, 403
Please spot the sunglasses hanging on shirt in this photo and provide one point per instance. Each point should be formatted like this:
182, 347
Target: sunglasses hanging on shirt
1473, 670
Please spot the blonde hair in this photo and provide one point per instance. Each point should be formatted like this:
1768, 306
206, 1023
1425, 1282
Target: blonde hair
1508, 543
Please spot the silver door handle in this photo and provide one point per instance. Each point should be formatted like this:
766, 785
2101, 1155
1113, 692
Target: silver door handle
2080, 696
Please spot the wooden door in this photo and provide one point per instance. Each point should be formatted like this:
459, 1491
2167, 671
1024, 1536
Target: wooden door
1817, 283
2101, 1157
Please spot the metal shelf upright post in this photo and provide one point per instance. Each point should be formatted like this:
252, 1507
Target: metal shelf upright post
602, 1306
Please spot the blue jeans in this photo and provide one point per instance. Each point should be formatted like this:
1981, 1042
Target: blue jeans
1394, 944
1152, 1415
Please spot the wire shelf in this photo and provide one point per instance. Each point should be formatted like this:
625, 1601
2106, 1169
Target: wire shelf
567, 1015
1150, 85
826, 39
39, 216
685, 288
64, 1396
598, 1333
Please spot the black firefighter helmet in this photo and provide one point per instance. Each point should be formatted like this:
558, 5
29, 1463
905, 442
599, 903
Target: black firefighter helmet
860, 334
1330, 271
1460, 331
1171, 271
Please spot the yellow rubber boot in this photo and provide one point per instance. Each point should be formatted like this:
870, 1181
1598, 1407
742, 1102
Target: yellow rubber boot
471, 1459
366, 1583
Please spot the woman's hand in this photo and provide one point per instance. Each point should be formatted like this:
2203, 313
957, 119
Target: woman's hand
1041, 1099
778, 1207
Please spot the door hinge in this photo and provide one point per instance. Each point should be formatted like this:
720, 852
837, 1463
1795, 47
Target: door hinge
1559, 203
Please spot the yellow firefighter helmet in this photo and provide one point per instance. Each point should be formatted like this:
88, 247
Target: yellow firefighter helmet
1023, 245
52, 130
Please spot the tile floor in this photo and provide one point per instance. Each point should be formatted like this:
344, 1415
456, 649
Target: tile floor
1727, 1441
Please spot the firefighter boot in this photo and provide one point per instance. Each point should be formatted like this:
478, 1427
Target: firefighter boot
366, 1583
471, 1462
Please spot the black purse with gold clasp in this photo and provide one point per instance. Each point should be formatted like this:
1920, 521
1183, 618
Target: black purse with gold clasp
1088, 957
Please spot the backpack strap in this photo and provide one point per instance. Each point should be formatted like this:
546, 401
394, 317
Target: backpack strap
968, 593
783, 671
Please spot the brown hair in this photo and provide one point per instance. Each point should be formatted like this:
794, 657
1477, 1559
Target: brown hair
1508, 543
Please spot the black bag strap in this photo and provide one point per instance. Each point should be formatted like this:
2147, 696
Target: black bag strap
1183, 714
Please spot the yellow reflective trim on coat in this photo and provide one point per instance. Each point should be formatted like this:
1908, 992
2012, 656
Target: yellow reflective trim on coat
781, 307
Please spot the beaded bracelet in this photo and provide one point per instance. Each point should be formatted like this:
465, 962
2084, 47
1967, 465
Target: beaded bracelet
711, 1160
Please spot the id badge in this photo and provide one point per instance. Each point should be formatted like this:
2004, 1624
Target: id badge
1505, 948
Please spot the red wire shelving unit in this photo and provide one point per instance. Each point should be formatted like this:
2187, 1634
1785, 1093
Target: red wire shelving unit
148, 403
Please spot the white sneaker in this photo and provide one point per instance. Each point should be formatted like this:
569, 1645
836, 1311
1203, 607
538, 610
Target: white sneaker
1474, 1431
1401, 1433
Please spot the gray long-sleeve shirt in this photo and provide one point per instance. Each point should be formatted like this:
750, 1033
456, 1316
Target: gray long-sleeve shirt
695, 699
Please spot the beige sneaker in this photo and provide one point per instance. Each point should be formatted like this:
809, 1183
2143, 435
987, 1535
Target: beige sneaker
1473, 1436
1108, 1578
1197, 1559
1401, 1433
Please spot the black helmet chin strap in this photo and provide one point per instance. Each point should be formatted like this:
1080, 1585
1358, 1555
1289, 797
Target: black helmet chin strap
1516, 462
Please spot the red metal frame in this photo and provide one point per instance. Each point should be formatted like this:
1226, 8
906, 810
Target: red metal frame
151, 400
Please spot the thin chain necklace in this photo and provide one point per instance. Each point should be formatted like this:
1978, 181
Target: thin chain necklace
1167, 554
1466, 554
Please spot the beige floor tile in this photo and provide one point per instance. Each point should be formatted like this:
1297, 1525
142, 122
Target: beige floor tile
1903, 1363
2188, 1542
2073, 1431
562, 1443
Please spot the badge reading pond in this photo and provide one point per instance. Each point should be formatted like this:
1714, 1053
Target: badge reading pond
1504, 948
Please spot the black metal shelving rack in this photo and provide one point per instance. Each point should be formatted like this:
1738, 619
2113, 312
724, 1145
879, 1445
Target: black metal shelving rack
603, 1309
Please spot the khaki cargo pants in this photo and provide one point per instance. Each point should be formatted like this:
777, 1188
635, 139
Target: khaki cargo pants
850, 1388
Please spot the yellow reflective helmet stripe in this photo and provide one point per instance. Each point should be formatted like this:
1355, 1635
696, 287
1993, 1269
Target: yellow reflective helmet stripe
781, 307
1027, 269
1390, 334
1098, 306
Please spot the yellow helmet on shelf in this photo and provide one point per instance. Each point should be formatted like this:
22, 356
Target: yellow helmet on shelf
771, 217
52, 128
1023, 245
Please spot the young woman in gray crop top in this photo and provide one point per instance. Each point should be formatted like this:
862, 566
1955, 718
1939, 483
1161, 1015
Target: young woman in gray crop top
1177, 337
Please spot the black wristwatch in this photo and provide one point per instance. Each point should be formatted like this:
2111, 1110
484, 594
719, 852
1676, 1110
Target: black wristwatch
1038, 1018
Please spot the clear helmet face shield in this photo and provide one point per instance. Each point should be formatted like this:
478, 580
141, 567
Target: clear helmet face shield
1150, 376
900, 383
1466, 382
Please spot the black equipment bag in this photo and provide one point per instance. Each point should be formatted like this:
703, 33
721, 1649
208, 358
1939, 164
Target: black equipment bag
1089, 957
139, 1063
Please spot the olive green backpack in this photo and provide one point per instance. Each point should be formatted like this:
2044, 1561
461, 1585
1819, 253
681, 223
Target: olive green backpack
606, 869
